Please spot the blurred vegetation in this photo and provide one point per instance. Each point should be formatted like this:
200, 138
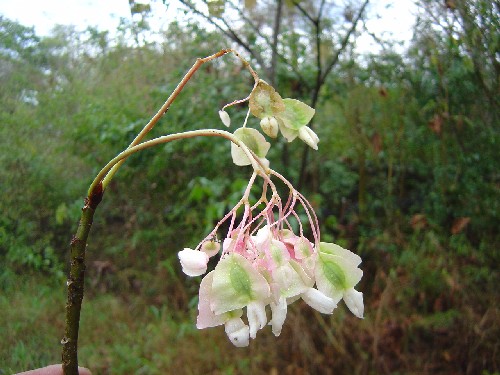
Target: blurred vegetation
406, 175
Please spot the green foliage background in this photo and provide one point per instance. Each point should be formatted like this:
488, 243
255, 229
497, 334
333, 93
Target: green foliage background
406, 175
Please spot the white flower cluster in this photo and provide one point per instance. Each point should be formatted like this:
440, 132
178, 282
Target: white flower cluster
272, 268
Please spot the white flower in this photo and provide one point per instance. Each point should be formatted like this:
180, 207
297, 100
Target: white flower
336, 275
194, 263
238, 332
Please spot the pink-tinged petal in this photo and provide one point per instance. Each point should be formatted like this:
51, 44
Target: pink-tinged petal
206, 318
237, 332
257, 319
303, 248
277, 254
262, 237
318, 301
354, 301
194, 263
278, 311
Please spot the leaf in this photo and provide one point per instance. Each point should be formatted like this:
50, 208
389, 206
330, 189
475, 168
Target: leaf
254, 140
296, 114
265, 101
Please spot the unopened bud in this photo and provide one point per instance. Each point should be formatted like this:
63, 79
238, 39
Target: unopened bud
224, 116
194, 263
210, 248
309, 137
270, 126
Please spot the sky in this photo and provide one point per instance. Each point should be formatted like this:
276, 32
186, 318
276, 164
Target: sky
388, 17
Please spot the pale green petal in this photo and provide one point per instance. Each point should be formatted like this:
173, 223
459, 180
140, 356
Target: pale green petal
296, 114
254, 140
334, 249
335, 274
289, 134
235, 284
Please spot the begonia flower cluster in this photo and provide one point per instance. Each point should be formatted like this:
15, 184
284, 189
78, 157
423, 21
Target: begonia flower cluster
265, 266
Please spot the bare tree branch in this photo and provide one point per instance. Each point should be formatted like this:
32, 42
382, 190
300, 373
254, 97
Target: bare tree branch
304, 12
270, 43
335, 58
230, 33
274, 45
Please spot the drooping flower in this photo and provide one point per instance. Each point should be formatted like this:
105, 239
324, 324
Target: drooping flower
336, 275
194, 263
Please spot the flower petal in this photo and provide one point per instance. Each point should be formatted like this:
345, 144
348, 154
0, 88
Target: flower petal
354, 301
278, 311
257, 319
236, 283
290, 282
309, 137
318, 301
334, 249
206, 318
238, 332
211, 248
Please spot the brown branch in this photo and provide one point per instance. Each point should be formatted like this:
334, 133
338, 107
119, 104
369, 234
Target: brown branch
274, 45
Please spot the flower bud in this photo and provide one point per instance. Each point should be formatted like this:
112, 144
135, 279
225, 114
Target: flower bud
309, 137
210, 248
224, 116
270, 126
194, 263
